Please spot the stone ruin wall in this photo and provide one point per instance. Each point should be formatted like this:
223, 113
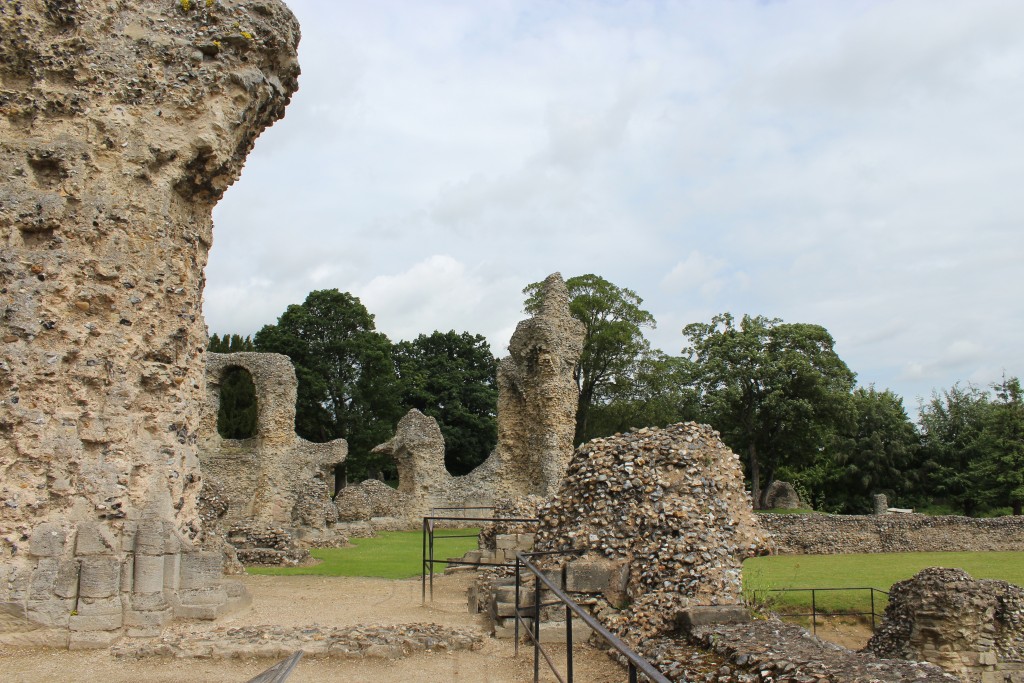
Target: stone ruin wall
537, 400
269, 494
121, 125
840, 534
972, 628
668, 505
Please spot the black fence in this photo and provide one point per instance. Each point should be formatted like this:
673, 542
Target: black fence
635, 664
816, 611
430, 529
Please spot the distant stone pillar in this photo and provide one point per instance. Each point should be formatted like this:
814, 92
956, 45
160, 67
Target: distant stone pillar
881, 504
120, 128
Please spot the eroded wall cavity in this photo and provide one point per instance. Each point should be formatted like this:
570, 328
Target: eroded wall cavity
275, 485
121, 125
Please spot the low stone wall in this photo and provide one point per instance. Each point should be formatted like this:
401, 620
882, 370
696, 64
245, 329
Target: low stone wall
839, 534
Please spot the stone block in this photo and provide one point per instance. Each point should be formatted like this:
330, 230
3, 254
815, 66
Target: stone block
146, 624
128, 574
203, 596
506, 628
52, 612
148, 575
149, 537
172, 572
525, 542
44, 578
66, 585
47, 540
95, 622
589, 575
554, 632
708, 615
148, 602
508, 594
94, 539
506, 542
88, 639
100, 577
202, 569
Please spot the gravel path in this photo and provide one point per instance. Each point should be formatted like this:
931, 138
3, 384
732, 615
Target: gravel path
327, 602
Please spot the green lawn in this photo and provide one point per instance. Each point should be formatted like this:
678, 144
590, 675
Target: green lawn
389, 555
878, 570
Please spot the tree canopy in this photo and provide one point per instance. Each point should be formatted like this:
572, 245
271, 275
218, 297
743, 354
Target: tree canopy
347, 383
452, 377
777, 392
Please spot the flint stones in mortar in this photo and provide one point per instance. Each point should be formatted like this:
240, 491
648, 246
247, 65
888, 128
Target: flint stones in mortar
672, 503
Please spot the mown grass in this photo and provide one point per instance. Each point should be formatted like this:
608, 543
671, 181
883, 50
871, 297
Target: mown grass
389, 555
879, 570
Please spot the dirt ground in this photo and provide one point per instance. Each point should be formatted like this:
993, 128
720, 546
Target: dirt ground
325, 601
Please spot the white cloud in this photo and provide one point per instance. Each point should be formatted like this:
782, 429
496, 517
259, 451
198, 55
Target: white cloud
854, 165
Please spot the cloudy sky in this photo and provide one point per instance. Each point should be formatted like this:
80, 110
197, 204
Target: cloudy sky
859, 165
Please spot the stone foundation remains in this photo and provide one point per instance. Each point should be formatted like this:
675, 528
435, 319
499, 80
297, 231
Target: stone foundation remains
537, 400
274, 489
839, 534
973, 628
662, 520
121, 124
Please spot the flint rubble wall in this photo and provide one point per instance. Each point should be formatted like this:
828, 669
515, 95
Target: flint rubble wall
121, 125
900, 533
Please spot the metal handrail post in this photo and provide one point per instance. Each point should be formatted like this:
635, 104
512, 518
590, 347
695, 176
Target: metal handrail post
536, 630
430, 526
423, 566
872, 591
568, 644
632, 673
814, 614
516, 612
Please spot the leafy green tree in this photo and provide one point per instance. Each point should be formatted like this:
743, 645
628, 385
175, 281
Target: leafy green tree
955, 447
878, 455
230, 343
1005, 431
614, 341
348, 387
452, 377
658, 393
777, 392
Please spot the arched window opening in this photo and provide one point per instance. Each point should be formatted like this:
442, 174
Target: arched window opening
236, 416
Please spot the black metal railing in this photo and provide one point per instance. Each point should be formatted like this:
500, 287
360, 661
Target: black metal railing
429, 528
816, 612
635, 664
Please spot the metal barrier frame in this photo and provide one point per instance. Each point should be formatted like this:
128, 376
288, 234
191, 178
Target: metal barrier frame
813, 614
634, 662
427, 567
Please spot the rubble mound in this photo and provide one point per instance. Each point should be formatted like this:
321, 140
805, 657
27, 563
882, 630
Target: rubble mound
672, 503
965, 625
266, 544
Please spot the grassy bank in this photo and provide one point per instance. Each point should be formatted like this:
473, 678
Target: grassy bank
389, 555
879, 570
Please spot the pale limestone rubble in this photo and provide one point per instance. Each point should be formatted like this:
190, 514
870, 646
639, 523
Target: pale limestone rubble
121, 125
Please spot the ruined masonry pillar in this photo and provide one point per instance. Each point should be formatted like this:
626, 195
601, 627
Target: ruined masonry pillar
121, 125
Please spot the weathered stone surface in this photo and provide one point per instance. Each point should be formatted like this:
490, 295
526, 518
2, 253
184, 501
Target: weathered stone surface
837, 534
967, 626
672, 504
274, 480
782, 496
117, 137
537, 400
277, 642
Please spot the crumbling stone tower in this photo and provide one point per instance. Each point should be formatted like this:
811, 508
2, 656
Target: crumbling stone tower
121, 125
